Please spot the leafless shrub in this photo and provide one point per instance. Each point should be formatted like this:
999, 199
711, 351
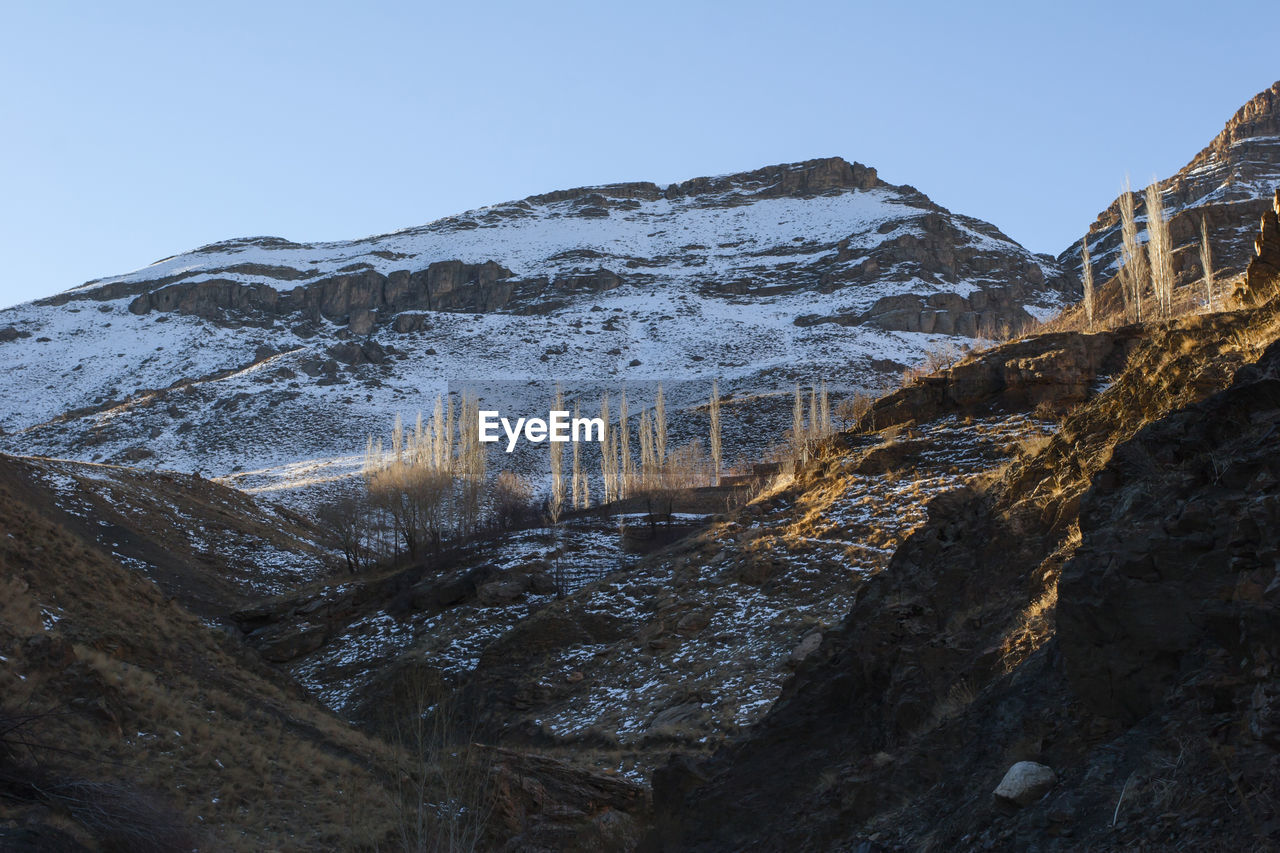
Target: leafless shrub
348, 527
512, 500
120, 817
941, 357
851, 409
444, 799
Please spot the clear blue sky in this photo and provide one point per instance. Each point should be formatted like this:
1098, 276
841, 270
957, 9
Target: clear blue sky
133, 131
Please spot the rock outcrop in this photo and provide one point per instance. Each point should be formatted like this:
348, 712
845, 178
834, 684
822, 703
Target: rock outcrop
536, 256
1262, 278
976, 649
1058, 370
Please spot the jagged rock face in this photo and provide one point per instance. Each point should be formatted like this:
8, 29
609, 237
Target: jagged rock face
1263, 275
823, 225
355, 298
1229, 184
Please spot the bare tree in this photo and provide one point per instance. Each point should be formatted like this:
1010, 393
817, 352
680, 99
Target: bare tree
660, 427
851, 409
814, 431
824, 411
716, 450
1133, 270
445, 797
440, 436
797, 430
608, 453
556, 504
1087, 276
626, 472
471, 465
348, 529
648, 459
512, 499
1206, 263
581, 490
1159, 250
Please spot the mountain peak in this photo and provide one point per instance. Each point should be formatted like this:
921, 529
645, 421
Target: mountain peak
1229, 185
801, 179
1259, 117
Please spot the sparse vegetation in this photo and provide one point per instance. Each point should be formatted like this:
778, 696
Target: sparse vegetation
444, 798
851, 408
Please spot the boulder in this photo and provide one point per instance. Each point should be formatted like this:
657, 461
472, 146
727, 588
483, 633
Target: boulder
806, 647
504, 590
451, 589
692, 623
1025, 782
678, 721
541, 583
283, 643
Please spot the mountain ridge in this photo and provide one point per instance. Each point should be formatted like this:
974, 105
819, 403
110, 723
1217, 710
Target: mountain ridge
1229, 182
757, 277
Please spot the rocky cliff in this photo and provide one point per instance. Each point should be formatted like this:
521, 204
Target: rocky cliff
1229, 184
822, 226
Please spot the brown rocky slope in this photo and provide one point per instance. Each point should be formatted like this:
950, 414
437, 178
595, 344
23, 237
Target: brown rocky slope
1142, 531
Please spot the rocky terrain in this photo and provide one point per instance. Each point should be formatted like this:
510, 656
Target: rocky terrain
1024, 599
134, 716
260, 354
1102, 610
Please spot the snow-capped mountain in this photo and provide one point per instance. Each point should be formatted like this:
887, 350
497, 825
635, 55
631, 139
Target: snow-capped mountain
1230, 184
262, 352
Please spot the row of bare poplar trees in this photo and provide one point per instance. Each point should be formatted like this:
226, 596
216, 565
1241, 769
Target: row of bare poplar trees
660, 469
1146, 270
805, 436
430, 485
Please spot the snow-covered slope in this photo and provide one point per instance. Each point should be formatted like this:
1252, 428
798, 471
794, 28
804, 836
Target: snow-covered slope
256, 353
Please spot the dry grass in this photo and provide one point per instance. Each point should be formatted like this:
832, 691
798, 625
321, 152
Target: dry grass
1032, 629
150, 705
